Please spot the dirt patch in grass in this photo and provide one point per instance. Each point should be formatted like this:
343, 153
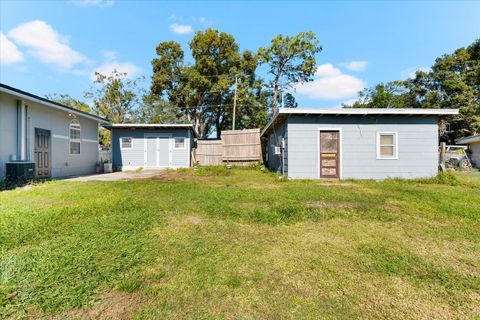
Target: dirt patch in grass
186, 220
173, 175
194, 220
114, 305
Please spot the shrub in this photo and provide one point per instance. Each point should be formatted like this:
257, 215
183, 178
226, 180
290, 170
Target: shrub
445, 178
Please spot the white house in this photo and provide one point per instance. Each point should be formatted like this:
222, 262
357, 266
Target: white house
61, 140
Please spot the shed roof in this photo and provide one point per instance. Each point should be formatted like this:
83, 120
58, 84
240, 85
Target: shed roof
49, 103
151, 126
468, 140
283, 113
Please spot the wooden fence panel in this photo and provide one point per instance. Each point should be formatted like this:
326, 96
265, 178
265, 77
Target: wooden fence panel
209, 152
240, 147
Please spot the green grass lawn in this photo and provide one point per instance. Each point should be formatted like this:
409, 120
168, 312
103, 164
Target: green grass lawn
213, 244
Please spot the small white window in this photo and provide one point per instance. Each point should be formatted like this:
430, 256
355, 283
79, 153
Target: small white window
126, 143
74, 137
179, 143
387, 145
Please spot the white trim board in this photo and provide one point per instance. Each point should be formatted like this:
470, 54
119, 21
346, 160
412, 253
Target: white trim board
121, 145
340, 160
395, 157
58, 136
90, 140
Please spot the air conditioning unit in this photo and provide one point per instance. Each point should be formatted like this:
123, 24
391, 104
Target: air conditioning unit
278, 151
20, 172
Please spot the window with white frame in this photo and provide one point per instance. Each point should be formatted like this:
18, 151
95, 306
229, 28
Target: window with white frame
74, 137
387, 145
179, 143
126, 143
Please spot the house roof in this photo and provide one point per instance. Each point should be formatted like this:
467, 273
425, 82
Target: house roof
468, 140
49, 103
151, 126
284, 113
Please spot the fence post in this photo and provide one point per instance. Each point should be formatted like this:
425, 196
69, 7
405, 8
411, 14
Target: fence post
442, 155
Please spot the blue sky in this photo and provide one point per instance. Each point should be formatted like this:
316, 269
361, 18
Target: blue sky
54, 46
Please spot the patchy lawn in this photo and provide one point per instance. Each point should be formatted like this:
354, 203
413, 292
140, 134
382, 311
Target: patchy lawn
214, 244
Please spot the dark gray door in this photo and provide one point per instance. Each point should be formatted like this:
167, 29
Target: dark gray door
42, 153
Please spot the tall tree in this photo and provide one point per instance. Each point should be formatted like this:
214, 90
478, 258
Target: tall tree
291, 60
68, 101
157, 110
114, 96
203, 91
289, 101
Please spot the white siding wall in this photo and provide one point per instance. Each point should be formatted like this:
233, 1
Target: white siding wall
8, 130
58, 122
417, 146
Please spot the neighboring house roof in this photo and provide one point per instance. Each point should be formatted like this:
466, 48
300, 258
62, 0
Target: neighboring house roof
151, 126
49, 103
283, 113
468, 140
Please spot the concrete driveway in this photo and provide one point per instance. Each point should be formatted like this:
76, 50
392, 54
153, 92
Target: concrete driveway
116, 176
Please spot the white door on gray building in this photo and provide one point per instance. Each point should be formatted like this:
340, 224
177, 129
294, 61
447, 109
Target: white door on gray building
164, 151
157, 151
151, 152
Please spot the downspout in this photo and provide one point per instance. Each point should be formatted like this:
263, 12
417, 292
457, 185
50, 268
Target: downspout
283, 163
21, 128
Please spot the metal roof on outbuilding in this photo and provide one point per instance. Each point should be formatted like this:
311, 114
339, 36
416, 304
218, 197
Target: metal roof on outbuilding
283, 113
151, 126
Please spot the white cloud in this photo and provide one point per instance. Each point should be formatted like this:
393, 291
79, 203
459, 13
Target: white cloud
111, 63
331, 84
9, 53
46, 44
409, 73
355, 65
181, 28
89, 3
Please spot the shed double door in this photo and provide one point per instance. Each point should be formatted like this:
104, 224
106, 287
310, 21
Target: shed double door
329, 154
157, 151
42, 153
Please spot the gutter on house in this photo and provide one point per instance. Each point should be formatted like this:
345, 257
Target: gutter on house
32, 97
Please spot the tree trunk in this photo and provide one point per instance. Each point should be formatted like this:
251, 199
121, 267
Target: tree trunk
275, 95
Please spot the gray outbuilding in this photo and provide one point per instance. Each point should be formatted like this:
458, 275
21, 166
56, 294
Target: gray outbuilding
60, 140
151, 145
354, 143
